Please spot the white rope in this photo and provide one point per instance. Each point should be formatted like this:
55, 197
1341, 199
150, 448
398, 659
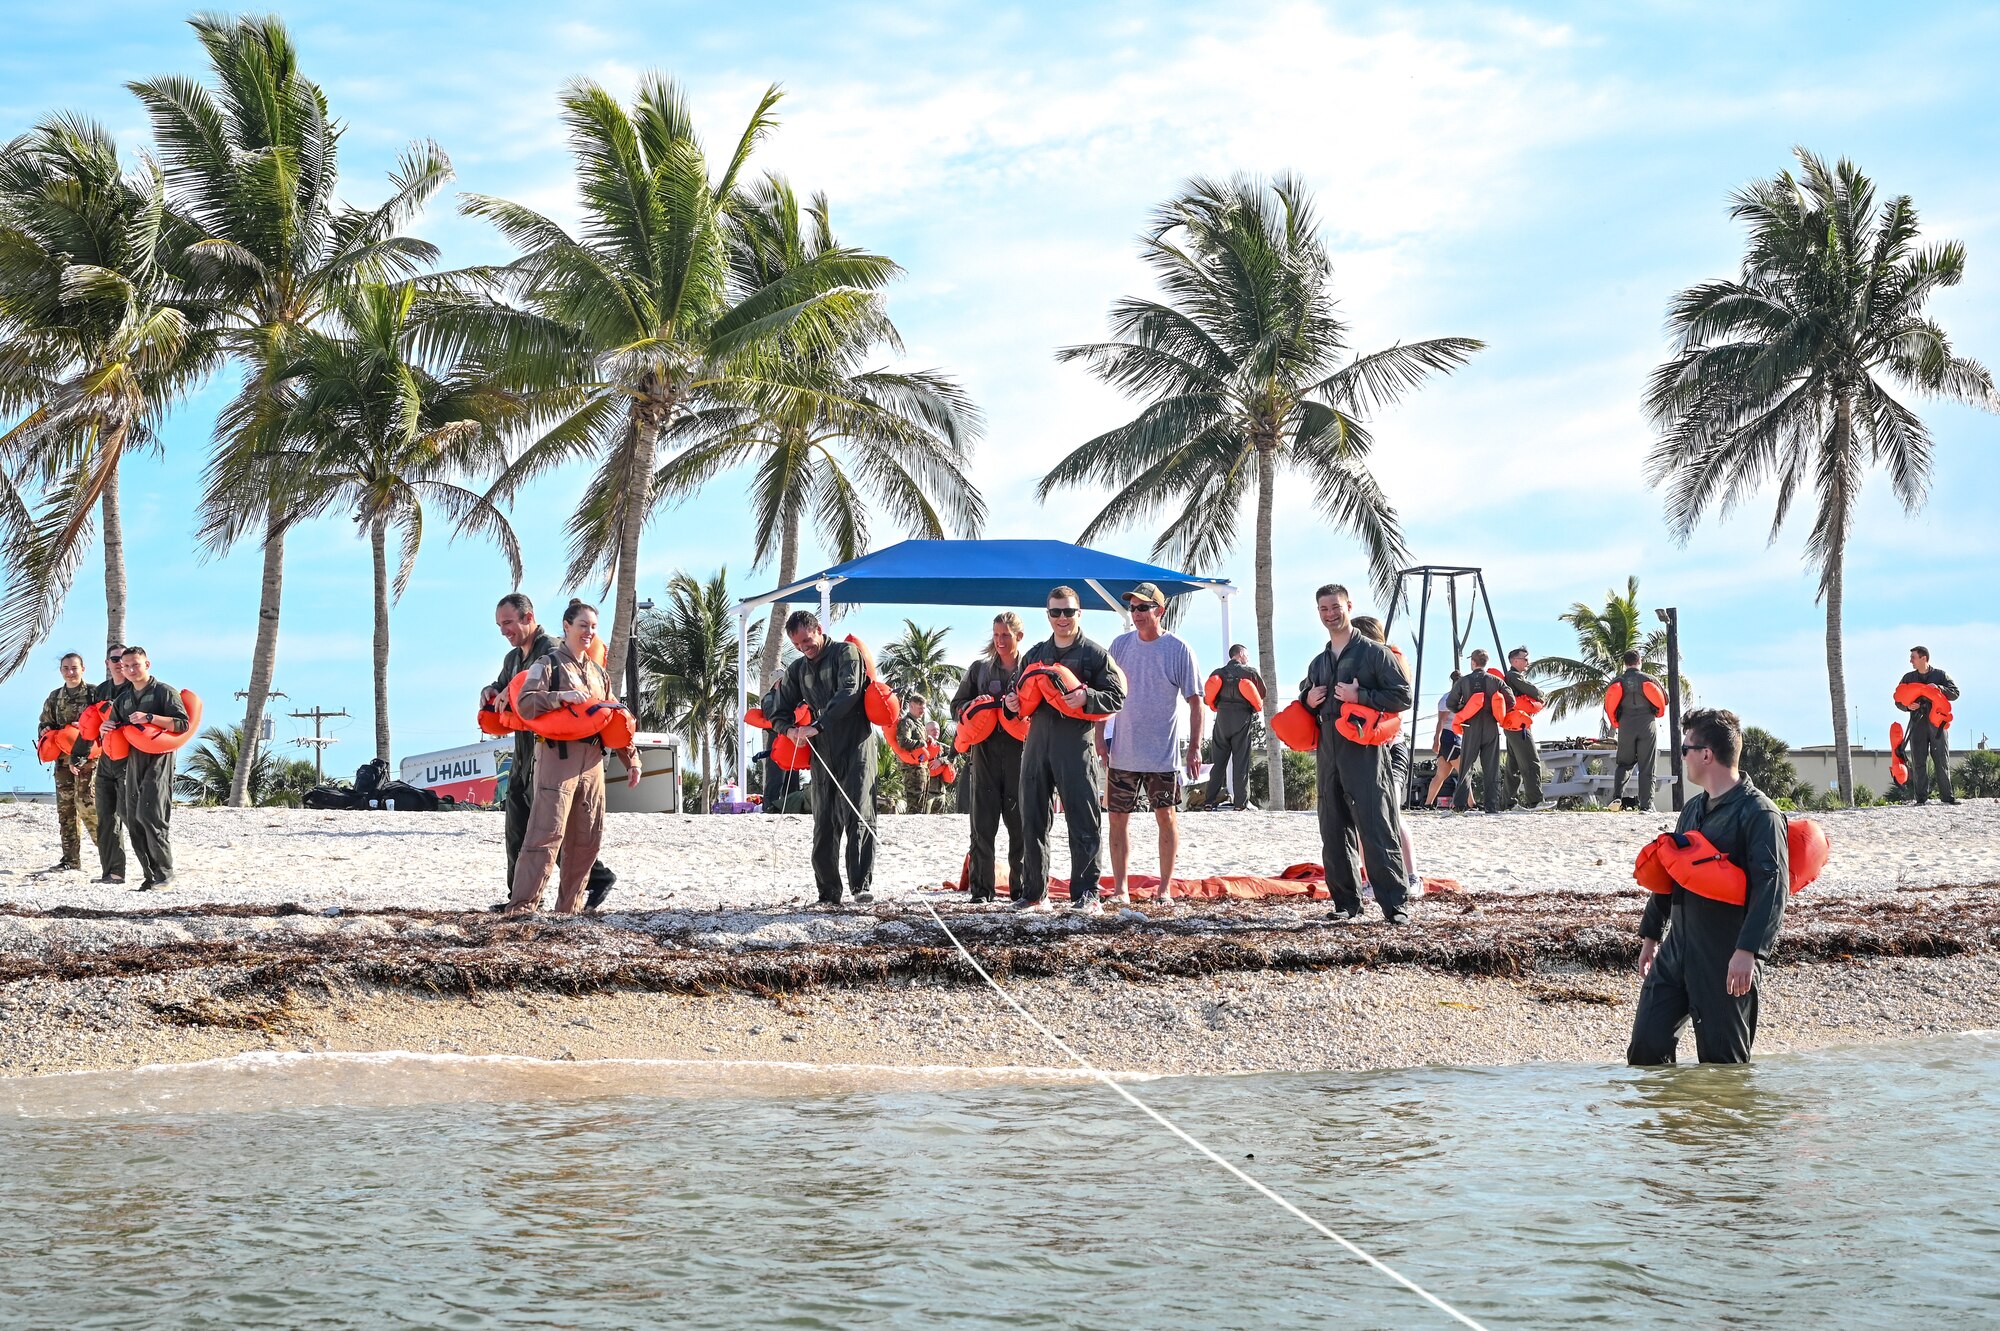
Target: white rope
1155, 1114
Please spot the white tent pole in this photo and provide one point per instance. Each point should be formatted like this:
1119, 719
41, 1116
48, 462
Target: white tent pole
743, 707
825, 601
1227, 640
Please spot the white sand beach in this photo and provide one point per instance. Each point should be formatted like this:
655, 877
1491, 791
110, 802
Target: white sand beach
454, 861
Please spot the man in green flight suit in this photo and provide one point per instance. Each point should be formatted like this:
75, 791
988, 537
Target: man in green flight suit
146, 786
76, 809
1707, 965
105, 784
1235, 720
1639, 709
1928, 743
829, 679
1524, 761
1472, 700
514, 616
1058, 759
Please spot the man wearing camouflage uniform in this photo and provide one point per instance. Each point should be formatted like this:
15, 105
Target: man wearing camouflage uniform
76, 807
915, 731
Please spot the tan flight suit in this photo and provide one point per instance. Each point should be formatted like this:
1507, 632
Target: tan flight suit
75, 807
568, 813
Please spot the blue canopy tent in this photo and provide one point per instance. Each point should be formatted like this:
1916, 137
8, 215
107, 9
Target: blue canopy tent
1000, 574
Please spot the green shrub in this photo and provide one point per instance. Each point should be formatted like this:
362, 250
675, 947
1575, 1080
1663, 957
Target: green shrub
1978, 776
1301, 780
1765, 762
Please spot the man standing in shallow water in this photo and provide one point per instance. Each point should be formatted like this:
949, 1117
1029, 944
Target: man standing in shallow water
1706, 966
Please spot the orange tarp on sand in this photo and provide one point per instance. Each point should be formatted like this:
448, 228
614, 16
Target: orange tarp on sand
1300, 882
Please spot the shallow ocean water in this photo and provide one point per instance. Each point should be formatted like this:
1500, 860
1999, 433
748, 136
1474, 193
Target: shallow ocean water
1849, 1189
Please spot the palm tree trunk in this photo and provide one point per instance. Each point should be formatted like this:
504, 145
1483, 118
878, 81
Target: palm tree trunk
1832, 587
707, 777
263, 661
638, 501
774, 613
114, 564
1267, 634
378, 541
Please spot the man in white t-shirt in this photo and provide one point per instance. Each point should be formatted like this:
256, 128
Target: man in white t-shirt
1144, 753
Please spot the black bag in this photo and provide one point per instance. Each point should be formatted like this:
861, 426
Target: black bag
330, 797
369, 777
405, 796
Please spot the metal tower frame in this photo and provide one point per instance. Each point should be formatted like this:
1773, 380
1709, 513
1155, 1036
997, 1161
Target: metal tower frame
1431, 575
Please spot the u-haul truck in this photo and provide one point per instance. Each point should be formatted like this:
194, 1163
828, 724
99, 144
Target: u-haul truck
477, 774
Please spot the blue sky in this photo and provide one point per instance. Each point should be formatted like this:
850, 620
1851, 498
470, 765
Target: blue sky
1542, 179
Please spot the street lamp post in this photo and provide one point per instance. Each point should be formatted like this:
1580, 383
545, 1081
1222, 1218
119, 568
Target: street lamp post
1671, 617
632, 667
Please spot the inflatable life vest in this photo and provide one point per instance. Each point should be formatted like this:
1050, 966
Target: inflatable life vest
878, 701
155, 739
1615, 695
978, 722
1050, 684
1296, 727
755, 717
496, 723
1244, 689
1366, 725
786, 752
1478, 703
1913, 693
921, 756
1522, 714
1690, 860
607, 722
90, 723
52, 745
942, 771
1899, 763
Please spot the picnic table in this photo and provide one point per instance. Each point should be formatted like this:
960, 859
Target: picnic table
1587, 773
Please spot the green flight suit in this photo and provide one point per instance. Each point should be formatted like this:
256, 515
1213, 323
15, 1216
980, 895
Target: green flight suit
843, 759
1638, 736
1480, 733
1524, 760
146, 785
993, 771
1059, 758
1928, 744
107, 787
1357, 789
76, 807
1689, 974
1235, 723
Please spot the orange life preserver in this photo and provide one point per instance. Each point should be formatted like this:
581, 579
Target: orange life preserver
878, 701
1690, 860
152, 739
573, 720
1050, 684
1478, 703
1615, 695
52, 745
1017, 726
787, 753
1245, 690
1366, 725
755, 717
977, 722
116, 745
1912, 693
921, 756
90, 723
944, 772
1296, 727
1522, 714
1899, 766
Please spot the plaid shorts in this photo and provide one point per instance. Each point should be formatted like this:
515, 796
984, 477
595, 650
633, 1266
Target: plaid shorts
1135, 792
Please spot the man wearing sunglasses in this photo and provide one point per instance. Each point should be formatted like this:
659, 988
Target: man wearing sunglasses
1056, 759
1701, 957
1144, 753
1356, 786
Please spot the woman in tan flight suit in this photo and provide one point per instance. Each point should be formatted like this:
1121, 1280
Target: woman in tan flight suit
567, 819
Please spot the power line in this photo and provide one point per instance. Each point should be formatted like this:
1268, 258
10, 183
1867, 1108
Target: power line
318, 742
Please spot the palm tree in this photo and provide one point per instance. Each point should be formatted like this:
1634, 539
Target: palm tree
98, 340
638, 321
254, 164
826, 437
210, 773
1788, 373
387, 431
688, 651
914, 666
1602, 639
1245, 368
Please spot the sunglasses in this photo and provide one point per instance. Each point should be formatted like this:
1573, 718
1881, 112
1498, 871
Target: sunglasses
1062, 612
1686, 749
1141, 608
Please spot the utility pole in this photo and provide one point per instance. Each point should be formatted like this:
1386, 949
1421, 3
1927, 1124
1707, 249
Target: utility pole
317, 743
1671, 617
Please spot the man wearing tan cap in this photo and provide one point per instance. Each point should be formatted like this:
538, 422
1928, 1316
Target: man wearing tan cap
1144, 752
